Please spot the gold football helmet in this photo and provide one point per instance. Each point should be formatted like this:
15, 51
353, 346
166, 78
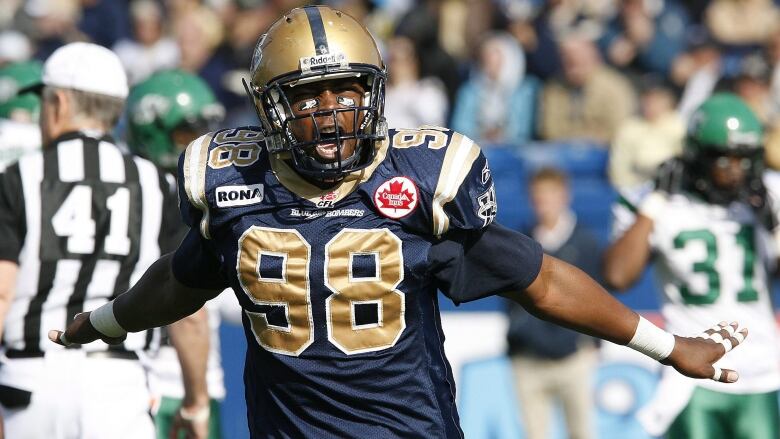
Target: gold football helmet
307, 45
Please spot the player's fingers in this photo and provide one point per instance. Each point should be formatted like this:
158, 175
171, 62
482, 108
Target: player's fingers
706, 334
59, 338
731, 342
724, 375
729, 337
740, 336
725, 332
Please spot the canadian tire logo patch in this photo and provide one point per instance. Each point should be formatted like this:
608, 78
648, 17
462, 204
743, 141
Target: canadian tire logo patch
396, 197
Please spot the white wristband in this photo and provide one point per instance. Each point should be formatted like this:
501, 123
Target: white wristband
652, 340
653, 205
104, 321
201, 415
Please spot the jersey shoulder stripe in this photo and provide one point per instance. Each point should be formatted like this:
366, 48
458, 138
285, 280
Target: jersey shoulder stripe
194, 174
460, 155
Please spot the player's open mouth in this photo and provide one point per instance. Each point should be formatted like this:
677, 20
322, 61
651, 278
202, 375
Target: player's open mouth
329, 133
328, 146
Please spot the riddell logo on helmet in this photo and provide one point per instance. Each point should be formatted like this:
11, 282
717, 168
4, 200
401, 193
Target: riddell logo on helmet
396, 198
326, 59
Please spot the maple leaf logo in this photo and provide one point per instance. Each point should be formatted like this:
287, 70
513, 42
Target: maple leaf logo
396, 198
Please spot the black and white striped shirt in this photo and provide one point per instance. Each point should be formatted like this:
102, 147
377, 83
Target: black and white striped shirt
83, 221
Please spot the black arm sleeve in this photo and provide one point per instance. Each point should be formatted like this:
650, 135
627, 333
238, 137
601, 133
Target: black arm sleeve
197, 266
472, 264
13, 224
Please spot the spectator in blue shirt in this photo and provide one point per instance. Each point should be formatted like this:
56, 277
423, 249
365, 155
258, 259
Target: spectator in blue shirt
552, 364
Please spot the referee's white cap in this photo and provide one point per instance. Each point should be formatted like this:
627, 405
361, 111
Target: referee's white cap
85, 67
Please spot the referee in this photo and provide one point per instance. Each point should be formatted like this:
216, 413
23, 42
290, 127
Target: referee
79, 223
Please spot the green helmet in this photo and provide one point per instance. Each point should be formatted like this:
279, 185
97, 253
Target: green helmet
722, 125
163, 104
14, 77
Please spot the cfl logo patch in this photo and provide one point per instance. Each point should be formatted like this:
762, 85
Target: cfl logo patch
328, 200
488, 207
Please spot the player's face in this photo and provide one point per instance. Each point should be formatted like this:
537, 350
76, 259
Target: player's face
730, 171
182, 136
320, 97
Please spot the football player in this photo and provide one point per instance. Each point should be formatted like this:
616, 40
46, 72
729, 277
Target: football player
164, 114
709, 224
19, 133
335, 234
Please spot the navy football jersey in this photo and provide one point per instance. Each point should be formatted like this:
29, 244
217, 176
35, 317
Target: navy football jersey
340, 310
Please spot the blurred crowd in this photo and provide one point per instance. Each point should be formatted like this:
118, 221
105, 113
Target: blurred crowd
620, 74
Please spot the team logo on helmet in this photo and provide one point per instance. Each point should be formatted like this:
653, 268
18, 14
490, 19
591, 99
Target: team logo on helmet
396, 197
150, 107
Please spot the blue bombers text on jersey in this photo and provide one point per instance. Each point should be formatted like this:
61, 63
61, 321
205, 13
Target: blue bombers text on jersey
337, 285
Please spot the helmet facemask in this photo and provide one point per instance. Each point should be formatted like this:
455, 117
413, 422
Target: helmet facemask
702, 166
275, 111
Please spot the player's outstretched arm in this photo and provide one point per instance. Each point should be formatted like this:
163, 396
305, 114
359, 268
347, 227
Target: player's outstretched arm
157, 299
563, 294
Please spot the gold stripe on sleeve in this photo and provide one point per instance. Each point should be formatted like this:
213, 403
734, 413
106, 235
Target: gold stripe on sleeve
195, 162
458, 160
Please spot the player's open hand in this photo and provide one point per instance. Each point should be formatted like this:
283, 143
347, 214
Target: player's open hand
695, 356
81, 331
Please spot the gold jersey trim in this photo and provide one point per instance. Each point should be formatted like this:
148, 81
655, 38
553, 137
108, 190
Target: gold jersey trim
195, 162
458, 160
297, 185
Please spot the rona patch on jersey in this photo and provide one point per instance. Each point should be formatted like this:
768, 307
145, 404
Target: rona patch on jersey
232, 196
396, 197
